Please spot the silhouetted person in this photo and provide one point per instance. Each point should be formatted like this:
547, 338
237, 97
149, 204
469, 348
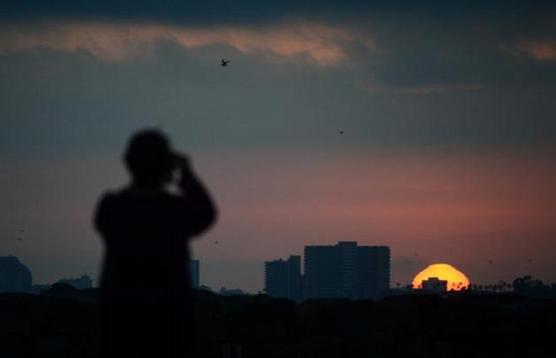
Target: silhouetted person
146, 301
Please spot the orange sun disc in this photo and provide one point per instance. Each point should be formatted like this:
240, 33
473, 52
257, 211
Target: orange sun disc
457, 280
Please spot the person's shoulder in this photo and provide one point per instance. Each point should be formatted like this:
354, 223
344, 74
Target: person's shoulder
104, 207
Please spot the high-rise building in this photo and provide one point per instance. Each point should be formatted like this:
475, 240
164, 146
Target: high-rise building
283, 278
346, 270
373, 269
194, 273
14, 276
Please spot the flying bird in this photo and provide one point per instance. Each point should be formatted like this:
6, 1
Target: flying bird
341, 132
224, 62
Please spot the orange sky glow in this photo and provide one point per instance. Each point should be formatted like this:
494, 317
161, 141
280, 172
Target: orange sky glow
483, 213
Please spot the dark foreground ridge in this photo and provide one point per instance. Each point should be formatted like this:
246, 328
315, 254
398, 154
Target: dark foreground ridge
64, 323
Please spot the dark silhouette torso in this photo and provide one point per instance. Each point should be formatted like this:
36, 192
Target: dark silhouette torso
146, 301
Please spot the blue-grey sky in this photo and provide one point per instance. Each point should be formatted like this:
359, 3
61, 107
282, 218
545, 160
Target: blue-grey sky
447, 112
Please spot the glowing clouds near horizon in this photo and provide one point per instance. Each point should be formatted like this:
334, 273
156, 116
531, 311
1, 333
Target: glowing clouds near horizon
457, 280
540, 50
305, 41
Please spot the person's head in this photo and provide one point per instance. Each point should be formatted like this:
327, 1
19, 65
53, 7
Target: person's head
149, 158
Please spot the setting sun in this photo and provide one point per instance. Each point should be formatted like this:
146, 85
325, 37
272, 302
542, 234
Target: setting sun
457, 280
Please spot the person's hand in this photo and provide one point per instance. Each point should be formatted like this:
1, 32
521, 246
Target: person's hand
182, 162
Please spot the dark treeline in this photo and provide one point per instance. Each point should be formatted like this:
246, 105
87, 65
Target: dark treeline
64, 323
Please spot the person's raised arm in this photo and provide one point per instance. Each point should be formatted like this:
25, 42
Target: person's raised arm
201, 208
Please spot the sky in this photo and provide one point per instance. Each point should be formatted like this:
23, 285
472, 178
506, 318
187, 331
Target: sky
425, 126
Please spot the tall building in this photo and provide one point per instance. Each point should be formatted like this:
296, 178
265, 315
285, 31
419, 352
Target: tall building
283, 278
373, 271
14, 276
194, 273
346, 270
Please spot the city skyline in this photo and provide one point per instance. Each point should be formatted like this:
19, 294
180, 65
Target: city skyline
286, 279
258, 267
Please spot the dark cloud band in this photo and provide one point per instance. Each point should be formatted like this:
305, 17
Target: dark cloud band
253, 11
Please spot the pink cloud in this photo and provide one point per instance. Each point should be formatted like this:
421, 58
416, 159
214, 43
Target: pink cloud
309, 41
541, 50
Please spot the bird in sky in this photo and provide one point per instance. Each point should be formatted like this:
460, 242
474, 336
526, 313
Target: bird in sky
341, 132
224, 62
